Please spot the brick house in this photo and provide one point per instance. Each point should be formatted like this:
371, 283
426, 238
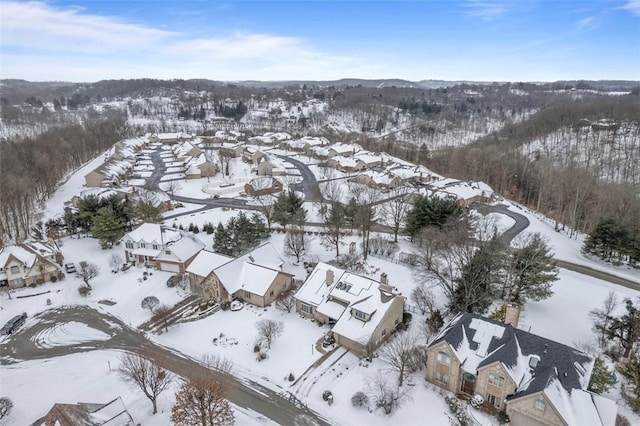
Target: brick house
262, 186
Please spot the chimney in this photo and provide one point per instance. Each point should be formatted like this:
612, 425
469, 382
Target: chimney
384, 279
512, 314
385, 294
329, 277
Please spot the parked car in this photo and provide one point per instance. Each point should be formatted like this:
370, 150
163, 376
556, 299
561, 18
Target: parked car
216, 196
172, 281
236, 305
14, 324
70, 268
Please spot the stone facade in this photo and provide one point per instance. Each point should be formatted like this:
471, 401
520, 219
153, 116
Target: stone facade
523, 412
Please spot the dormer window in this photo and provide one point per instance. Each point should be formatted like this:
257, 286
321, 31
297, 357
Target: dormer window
143, 245
129, 245
360, 315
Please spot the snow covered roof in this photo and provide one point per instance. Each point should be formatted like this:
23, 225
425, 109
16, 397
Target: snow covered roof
113, 413
580, 407
369, 157
343, 148
153, 232
253, 272
345, 292
561, 372
205, 262
262, 183
23, 255
185, 248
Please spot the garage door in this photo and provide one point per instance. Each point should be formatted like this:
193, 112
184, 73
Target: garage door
519, 419
170, 267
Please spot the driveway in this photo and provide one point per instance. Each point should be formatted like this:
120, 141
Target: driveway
25, 346
309, 183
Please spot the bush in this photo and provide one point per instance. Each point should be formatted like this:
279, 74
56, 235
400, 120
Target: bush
225, 305
291, 378
622, 421
83, 291
32, 285
502, 417
256, 348
360, 399
54, 279
326, 395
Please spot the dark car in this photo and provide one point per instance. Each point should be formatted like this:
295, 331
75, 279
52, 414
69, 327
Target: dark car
172, 281
14, 324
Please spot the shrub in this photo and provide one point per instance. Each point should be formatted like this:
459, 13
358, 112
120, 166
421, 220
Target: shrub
326, 395
406, 318
502, 417
225, 305
256, 348
83, 291
359, 399
622, 421
54, 279
291, 378
32, 285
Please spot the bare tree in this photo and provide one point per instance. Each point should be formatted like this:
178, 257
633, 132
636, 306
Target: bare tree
603, 317
218, 363
269, 330
265, 206
395, 210
149, 302
149, 377
294, 242
161, 315
422, 296
115, 261
171, 188
365, 213
87, 271
385, 395
286, 301
201, 402
398, 354
5, 407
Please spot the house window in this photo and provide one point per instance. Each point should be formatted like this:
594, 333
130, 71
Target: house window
493, 400
247, 294
167, 252
496, 380
540, 404
361, 315
143, 245
306, 308
155, 247
443, 358
384, 332
15, 269
442, 378
128, 245
271, 293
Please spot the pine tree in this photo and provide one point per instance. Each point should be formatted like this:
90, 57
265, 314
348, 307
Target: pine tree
222, 241
626, 328
601, 378
107, 227
531, 271
288, 209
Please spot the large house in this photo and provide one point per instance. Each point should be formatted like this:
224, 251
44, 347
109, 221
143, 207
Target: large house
535, 380
263, 186
112, 413
256, 277
28, 263
363, 311
163, 248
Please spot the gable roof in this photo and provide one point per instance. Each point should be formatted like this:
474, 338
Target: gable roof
347, 291
534, 363
113, 413
205, 262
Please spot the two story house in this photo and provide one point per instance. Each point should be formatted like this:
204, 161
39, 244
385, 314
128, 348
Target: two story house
363, 311
535, 380
165, 249
28, 263
256, 277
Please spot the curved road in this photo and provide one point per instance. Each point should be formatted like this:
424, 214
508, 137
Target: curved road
522, 223
28, 344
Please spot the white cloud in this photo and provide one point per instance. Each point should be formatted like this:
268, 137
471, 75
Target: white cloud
632, 6
587, 24
42, 42
487, 10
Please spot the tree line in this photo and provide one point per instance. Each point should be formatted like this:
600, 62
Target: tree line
31, 168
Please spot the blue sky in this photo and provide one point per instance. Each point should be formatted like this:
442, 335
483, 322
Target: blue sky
481, 40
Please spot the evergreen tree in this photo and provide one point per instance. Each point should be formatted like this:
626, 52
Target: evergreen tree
531, 271
288, 209
147, 211
601, 378
607, 240
431, 212
222, 241
107, 227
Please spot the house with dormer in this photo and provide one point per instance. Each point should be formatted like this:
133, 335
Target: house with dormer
160, 247
535, 380
256, 277
28, 263
363, 312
